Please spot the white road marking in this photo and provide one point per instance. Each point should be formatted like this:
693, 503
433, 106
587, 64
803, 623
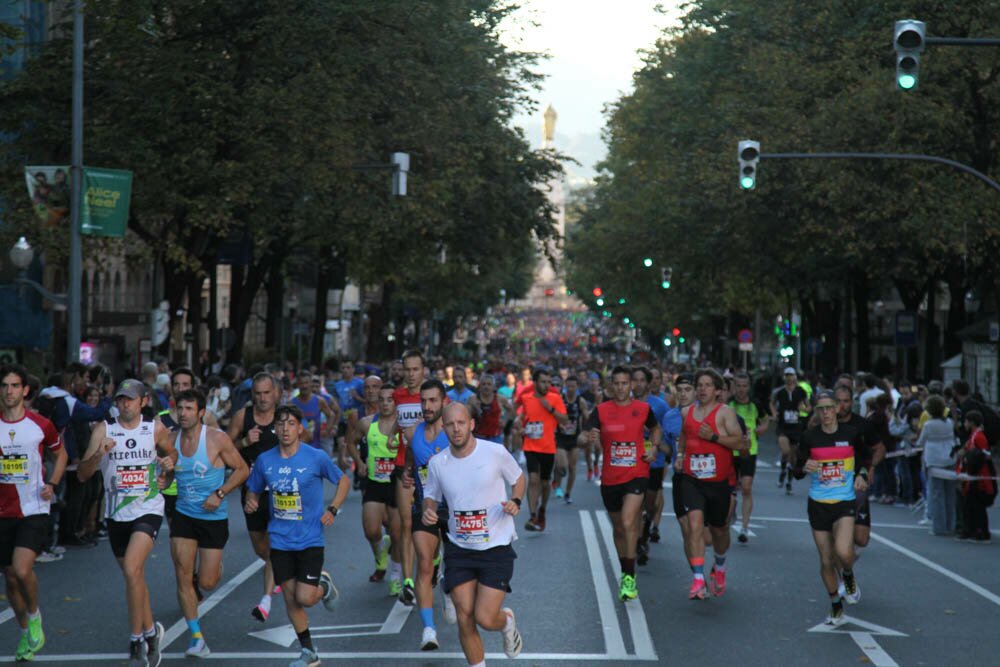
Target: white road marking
285, 636
6, 615
396, 619
875, 653
178, 628
614, 643
641, 639
869, 627
974, 587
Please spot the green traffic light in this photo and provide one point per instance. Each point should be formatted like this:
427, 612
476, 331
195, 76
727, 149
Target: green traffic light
665, 284
600, 302
680, 339
906, 81
621, 302
648, 262
747, 182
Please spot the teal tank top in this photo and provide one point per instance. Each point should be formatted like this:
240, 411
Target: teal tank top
197, 479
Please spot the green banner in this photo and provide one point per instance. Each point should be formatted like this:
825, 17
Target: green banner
107, 194
106, 197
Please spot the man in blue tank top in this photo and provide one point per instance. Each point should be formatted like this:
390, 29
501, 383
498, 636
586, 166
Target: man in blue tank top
200, 528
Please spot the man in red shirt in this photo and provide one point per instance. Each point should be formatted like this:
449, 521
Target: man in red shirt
408, 413
542, 410
619, 426
25, 497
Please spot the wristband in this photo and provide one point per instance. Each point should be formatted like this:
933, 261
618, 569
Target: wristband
333, 510
220, 494
516, 501
715, 437
864, 474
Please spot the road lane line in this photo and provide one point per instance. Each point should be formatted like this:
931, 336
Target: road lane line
396, 619
6, 615
875, 653
178, 628
957, 578
641, 639
614, 643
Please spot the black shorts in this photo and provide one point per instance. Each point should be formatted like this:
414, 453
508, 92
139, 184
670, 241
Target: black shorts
746, 465
257, 521
439, 529
540, 463
656, 479
209, 533
675, 494
613, 495
169, 508
709, 498
120, 532
793, 433
379, 492
30, 532
567, 442
303, 566
822, 516
862, 509
492, 568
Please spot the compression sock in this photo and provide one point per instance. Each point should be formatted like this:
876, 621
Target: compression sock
427, 616
195, 627
698, 567
628, 565
305, 639
720, 563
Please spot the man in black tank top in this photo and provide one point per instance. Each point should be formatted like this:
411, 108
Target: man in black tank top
252, 429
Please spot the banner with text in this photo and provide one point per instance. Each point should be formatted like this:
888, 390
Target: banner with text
107, 194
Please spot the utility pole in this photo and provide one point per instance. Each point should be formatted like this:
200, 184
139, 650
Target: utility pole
75, 276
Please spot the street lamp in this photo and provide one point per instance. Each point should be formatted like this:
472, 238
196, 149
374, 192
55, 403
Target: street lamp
21, 255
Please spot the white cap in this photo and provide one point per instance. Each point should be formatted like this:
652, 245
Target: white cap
790, 371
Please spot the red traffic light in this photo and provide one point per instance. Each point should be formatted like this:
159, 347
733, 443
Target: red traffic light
598, 291
549, 291
677, 332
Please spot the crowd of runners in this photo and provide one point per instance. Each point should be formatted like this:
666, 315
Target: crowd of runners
447, 460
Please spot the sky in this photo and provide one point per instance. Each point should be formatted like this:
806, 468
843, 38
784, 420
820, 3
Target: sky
593, 47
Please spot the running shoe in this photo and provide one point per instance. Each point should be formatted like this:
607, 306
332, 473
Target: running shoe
395, 587
654, 534
409, 595
377, 576
331, 595
153, 654
698, 590
197, 648
628, 591
743, 537
36, 636
559, 492
852, 592
532, 524
308, 658
48, 557
540, 521
836, 617
717, 582
429, 640
136, 654
449, 610
512, 643
263, 609
555, 486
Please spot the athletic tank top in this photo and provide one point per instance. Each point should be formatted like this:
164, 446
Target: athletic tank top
197, 479
488, 425
381, 455
171, 425
129, 472
422, 453
703, 459
751, 415
268, 440
623, 441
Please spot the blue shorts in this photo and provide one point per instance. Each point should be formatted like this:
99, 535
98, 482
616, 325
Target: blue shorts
492, 568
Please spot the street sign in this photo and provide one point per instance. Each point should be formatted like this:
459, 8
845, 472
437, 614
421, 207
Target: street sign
814, 346
746, 347
906, 329
745, 336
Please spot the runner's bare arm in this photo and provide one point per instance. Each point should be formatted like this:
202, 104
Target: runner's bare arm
351, 442
730, 433
235, 427
231, 457
99, 445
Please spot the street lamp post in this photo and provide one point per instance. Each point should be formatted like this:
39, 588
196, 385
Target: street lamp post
74, 278
21, 255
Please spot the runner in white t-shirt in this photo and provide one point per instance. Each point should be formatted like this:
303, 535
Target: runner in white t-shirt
471, 478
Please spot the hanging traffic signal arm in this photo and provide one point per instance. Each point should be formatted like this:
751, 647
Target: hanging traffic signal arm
910, 38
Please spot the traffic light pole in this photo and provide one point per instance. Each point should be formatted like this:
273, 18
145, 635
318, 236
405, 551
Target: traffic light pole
962, 41
886, 156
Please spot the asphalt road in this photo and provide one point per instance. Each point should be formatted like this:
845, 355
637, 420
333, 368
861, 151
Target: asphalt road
925, 600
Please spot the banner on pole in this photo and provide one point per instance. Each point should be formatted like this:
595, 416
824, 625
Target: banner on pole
107, 194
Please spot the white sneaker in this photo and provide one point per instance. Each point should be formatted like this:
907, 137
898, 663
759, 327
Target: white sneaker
449, 610
330, 599
834, 621
924, 522
429, 642
512, 643
197, 648
853, 596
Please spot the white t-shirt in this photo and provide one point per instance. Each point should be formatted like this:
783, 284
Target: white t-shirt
475, 489
865, 395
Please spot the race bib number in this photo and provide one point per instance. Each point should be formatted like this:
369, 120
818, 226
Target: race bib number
287, 506
471, 527
791, 416
623, 454
408, 414
534, 430
702, 465
14, 469
422, 473
831, 474
132, 480
383, 469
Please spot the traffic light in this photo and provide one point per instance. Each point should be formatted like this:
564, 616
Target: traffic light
598, 291
621, 301
909, 44
600, 301
665, 275
647, 262
748, 153
676, 332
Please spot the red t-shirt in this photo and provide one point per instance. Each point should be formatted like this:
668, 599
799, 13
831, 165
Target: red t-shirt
539, 423
623, 439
